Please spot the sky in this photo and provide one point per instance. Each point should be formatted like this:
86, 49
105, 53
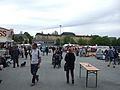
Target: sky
83, 17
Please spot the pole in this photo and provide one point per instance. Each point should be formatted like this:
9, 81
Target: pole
60, 34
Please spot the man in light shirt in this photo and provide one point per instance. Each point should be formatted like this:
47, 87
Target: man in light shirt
35, 63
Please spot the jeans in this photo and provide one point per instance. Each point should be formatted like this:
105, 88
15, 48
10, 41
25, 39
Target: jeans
34, 69
15, 60
72, 74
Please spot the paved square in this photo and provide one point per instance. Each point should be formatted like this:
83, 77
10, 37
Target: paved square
54, 79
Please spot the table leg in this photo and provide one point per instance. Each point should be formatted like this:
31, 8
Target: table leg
96, 78
80, 72
87, 79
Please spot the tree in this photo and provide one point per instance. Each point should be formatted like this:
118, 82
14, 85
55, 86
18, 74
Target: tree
66, 39
82, 42
118, 42
114, 42
72, 41
100, 40
15, 38
57, 41
29, 37
93, 40
106, 41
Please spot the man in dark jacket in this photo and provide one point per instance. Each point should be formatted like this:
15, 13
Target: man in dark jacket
15, 56
70, 61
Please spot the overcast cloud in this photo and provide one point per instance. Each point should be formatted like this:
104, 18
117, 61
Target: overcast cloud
83, 17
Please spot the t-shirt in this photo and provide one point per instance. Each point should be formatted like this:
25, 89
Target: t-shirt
34, 54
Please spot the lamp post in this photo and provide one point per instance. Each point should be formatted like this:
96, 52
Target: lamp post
60, 34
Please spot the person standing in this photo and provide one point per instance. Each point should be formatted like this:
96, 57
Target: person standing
22, 51
116, 55
15, 56
111, 57
43, 50
53, 49
69, 65
106, 55
26, 52
35, 63
47, 50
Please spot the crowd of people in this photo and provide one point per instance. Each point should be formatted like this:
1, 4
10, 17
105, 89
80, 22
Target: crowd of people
35, 52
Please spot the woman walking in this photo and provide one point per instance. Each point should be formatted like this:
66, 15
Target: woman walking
69, 65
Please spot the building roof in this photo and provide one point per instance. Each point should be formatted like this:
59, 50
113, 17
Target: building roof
68, 34
64, 34
46, 34
21, 35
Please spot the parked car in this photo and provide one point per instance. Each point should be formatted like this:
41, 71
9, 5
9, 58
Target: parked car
100, 54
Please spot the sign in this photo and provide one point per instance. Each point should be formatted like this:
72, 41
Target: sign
6, 35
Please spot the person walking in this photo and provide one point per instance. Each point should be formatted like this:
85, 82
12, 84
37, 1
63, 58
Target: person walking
69, 65
15, 56
111, 57
35, 63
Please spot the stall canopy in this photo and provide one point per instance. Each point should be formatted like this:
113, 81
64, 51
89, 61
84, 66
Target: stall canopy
6, 35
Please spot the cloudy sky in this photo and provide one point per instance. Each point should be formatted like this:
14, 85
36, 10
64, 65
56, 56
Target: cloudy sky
83, 17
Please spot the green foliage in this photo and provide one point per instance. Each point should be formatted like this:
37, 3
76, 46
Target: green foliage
68, 39
15, 38
72, 41
100, 40
82, 41
114, 42
118, 42
105, 41
57, 41
29, 37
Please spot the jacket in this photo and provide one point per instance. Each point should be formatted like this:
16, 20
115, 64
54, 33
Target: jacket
70, 60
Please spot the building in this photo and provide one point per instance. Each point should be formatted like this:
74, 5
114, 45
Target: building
50, 39
22, 38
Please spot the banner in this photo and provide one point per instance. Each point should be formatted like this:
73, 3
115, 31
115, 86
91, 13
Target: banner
6, 35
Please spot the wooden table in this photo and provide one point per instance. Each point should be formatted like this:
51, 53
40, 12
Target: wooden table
90, 70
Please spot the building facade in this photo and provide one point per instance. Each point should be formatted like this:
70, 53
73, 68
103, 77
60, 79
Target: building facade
50, 39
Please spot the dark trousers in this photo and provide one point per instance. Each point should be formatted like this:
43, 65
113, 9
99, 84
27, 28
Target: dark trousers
22, 55
15, 60
72, 74
46, 53
34, 69
26, 56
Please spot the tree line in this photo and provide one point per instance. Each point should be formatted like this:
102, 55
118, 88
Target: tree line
95, 40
